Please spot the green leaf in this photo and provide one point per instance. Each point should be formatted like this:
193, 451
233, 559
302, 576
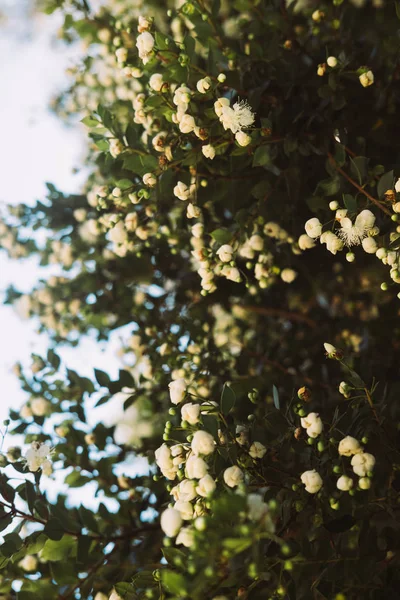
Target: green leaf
53, 359
275, 395
262, 156
102, 378
55, 550
359, 168
124, 184
228, 399
189, 43
84, 543
222, 236
173, 581
237, 545
90, 122
350, 203
125, 379
54, 529
385, 183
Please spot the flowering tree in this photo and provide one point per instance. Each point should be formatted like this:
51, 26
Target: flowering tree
239, 228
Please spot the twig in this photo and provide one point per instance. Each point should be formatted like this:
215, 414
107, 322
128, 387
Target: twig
278, 312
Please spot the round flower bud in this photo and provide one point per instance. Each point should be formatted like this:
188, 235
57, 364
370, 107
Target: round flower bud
221, 77
156, 82
190, 412
242, 138
312, 481
149, 179
366, 79
171, 522
203, 443
364, 483
334, 205
349, 446
208, 151
344, 483
369, 244
28, 563
206, 486
196, 467
177, 390
257, 450
362, 463
313, 228
288, 275
233, 476
331, 61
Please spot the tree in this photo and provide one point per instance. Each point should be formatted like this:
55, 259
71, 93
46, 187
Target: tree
239, 227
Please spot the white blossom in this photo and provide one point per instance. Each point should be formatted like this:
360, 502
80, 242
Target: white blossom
196, 467
225, 253
182, 191
171, 522
313, 227
312, 481
257, 450
156, 82
203, 443
344, 483
362, 463
190, 412
313, 424
233, 476
208, 151
149, 179
288, 275
145, 45
237, 117
36, 457
185, 537
349, 446
305, 242
203, 85
242, 138
206, 486
366, 79
177, 390
256, 506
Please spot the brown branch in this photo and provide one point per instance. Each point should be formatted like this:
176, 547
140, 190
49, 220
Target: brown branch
278, 312
357, 186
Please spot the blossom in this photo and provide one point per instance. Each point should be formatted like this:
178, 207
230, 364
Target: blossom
233, 476
156, 82
237, 117
177, 390
144, 23
186, 490
305, 242
349, 446
362, 463
288, 275
364, 483
242, 138
28, 563
181, 191
187, 124
312, 481
190, 412
40, 407
369, 245
353, 234
192, 211
367, 78
219, 105
185, 537
36, 457
208, 151
313, 227
165, 462
313, 424
196, 467
256, 242
257, 450
203, 443
149, 179
332, 61
256, 506
145, 44
197, 230
344, 483
185, 509
225, 253
203, 85
171, 522
206, 486
114, 596
121, 54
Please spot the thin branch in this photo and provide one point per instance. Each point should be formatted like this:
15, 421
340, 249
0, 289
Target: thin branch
357, 186
278, 312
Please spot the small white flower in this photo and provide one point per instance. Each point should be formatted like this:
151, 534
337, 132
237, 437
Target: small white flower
203, 443
344, 483
225, 253
206, 486
344, 389
238, 117
312, 481
332, 61
233, 476
186, 490
187, 124
306, 242
185, 537
349, 446
208, 151
364, 483
28, 563
197, 230
397, 186
257, 507
149, 179
171, 522
313, 227
203, 85
177, 390
145, 45
192, 211
366, 79
37, 456
196, 467
182, 191
288, 275
257, 450
121, 54
40, 407
185, 509
156, 82
362, 463
369, 245
219, 105
144, 23
313, 424
190, 412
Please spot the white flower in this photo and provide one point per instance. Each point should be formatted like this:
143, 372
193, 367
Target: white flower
231, 273
313, 424
233, 476
177, 390
203, 443
366, 79
288, 275
196, 467
144, 23
145, 44
353, 234
206, 486
28, 563
369, 244
333, 243
208, 151
171, 522
101, 596
225, 253
331, 61
257, 450
185, 537
25, 412
219, 105
312, 481
149, 179
40, 407
156, 82
186, 490
121, 54
190, 412
197, 230
185, 509
242, 138
203, 85
192, 211
257, 507
256, 242
37, 456
187, 124
114, 596
330, 350
397, 186
362, 463
313, 227
236, 118
305, 242
344, 389
344, 483
365, 220
349, 446
165, 462
181, 191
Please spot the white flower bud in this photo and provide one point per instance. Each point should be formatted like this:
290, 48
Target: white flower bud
369, 244
171, 522
288, 275
242, 138
203, 85
305, 242
187, 124
257, 450
344, 483
364, 483
313, 227
208, 151
196, 467
349, 446
121, 54
203, 443
177, 390
206, 486
233, 476
192, 211
225, 253
312, 481
185, 537
40, 407
190, 412
149, 179
331, 61
366, 79
28, 563
156, 82
313, 424
182, 191
257, 507
362, 463
145, 44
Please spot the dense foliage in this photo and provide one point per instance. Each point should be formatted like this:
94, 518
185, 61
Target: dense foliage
239, 228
